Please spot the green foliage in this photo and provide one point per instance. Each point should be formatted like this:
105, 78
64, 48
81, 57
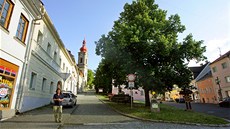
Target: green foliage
144, 41
102, 77
90, 78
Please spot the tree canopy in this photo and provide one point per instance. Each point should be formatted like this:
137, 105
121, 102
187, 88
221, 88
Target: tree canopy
145, 41
90, 78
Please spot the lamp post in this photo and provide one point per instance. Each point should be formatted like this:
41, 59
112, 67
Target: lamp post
219, 91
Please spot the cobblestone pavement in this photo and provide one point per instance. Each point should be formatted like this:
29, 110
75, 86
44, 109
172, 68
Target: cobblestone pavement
90, 113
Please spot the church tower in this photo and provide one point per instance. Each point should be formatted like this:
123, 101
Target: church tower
83, 61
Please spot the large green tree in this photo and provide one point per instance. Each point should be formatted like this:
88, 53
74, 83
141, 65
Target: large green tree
145, 41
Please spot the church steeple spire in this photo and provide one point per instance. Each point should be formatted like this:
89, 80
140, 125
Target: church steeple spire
83, 48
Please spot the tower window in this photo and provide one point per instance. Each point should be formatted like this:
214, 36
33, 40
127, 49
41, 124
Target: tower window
81, 60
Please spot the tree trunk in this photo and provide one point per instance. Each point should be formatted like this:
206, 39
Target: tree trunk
147, 100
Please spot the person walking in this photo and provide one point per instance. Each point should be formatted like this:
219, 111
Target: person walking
57, 108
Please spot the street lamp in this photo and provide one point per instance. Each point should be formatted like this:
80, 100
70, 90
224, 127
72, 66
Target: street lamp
219, 91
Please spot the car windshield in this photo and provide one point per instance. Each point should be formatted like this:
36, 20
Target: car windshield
66, 95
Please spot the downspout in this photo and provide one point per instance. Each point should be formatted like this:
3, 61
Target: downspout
22, 82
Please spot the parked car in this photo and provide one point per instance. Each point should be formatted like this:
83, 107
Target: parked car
225, 102
69, 99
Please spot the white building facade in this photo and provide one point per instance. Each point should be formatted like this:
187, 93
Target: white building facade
17, 18
33, 58
49, 63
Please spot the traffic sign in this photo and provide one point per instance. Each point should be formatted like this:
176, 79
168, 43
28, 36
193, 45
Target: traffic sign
131, 77
131, 84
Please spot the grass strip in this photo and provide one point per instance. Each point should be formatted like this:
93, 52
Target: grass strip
167, 113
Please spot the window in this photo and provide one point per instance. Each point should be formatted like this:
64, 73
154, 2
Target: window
7, 83
63, 66
51, 87
39, 38
48, 48
227, 79
210, 90
81, 60
33, 81
66, 69
22, 28
55, 56
224, 65
43, 84
6, 7
142, 93
214, 69
227, 93
60, 61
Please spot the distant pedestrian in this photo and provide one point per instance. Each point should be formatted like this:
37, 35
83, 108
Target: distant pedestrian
57, 108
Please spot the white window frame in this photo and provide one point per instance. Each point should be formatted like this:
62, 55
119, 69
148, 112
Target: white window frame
227, 78
44, 80
33, 79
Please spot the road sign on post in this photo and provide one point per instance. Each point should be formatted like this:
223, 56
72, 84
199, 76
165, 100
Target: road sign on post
131, 84
131, 79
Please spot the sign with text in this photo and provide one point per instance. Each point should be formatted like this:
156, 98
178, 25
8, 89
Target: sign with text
100, 90
131, 84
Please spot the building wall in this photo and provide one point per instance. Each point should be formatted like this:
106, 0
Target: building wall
222, 74
46, 63
207, 90
13, 50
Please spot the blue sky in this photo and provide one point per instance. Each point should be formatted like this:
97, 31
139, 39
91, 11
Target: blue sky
207, 20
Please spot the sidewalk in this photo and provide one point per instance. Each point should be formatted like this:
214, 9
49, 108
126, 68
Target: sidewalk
89, 110
41, 118
92, 110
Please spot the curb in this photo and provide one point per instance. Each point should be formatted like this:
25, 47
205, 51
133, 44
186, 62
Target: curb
162, 121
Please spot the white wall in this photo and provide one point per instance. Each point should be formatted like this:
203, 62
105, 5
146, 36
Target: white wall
43, 64
12, 49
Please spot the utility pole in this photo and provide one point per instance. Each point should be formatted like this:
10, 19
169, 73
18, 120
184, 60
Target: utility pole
219, 91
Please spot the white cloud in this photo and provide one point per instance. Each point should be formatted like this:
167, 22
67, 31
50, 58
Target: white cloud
214, 48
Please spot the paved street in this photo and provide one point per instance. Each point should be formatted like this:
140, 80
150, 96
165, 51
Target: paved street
90, 113
212, 109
